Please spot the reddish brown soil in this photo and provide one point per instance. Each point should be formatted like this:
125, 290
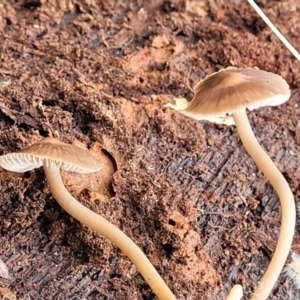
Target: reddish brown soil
186, 192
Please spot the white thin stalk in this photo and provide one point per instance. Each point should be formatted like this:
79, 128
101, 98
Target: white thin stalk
275, 30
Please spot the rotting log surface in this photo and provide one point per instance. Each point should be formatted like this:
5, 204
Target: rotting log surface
185, 191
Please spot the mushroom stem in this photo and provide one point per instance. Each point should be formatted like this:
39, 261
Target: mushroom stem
236, 293
286, 198
108, 230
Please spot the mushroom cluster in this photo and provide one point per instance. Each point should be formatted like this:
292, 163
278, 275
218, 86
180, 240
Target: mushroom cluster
231, 91
53, 155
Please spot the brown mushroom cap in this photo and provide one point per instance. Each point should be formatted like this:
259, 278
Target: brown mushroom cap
232, 89
51, 151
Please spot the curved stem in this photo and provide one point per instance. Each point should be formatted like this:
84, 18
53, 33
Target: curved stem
108, 230
286, 198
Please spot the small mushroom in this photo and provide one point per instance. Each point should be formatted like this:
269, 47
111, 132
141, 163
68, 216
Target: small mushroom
53, 155
231, 91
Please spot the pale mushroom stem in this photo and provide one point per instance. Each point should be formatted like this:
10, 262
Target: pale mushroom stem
108, 230
286, 198
236, 293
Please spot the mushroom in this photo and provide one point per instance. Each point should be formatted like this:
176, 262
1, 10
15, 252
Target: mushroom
231, 91
53, 154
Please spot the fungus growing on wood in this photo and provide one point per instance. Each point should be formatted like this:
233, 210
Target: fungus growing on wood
231, 91
53, 155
